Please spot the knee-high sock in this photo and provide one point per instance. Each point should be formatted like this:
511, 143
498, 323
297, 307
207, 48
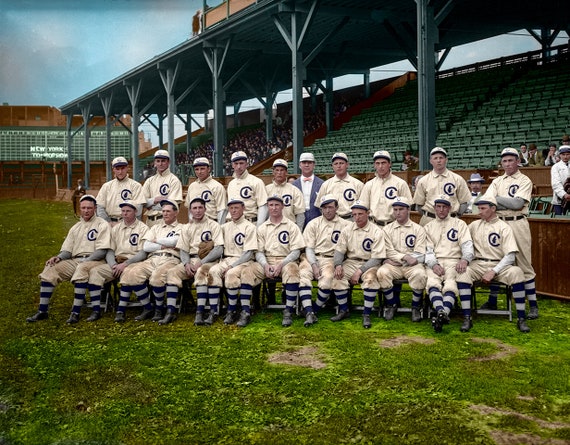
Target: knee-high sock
519, 297
202, 297
436, 298
78, 297
305, 294
95, 295
342, 299
124, 297
493, 293
159, 292
171, 297
245, 297
417, 295
291, 292
448, 302
214, 297
369, 298
465, 298
46, 291
391, 299
141, 291
322, 298
530, 291
232, 298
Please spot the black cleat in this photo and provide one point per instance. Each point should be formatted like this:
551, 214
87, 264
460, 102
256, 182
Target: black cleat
37, 317
342, 315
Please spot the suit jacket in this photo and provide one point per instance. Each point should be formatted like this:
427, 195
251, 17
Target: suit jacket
313, 211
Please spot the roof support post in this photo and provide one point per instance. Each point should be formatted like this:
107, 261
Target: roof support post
268, 104
329, 103
237, 106
160, 130
106, 103
134, 93
297, 77
169, 75
366, 80
68, 123
86, 113
426, 80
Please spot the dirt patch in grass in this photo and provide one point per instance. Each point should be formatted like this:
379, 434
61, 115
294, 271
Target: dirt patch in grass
504, 350
307, 356
405, 340
484, 409
505, 438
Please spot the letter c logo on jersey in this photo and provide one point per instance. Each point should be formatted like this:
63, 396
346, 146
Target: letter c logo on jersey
206, 236
206, 195
334, 236
92, 235
239, 238
171, 234
283, 237
494, 239
164, 189
349, 194
287, 200
390, 192
246, 192
449, 189
126, 195
134, 239
513, 190
452, 235
410, 241
367, 244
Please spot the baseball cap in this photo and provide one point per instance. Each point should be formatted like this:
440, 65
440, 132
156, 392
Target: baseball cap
438, 150
564, 149
307, 157
339, 155
476, 177
358, 205
161, 154
401, 201
201, 161
235, 201
443, 199
487, 199
239, 156
280, 163
327, 199
197, 199
275, 198
510, 151
88, 198
168, 201
382, 154
127, 204
119, 162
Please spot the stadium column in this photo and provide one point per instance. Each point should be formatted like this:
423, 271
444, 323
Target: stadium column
106, 102
68, 123
329, 107
86, 113
169, 75
134, 92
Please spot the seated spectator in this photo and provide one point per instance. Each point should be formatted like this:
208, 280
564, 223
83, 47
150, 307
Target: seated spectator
535, 158
410, 162
551, 157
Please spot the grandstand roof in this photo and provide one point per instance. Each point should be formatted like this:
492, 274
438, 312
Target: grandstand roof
345, 36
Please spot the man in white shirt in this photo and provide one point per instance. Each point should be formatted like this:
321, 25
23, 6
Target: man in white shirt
558, 175
309, 184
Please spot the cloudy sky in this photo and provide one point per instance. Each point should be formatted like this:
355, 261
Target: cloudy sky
52, 51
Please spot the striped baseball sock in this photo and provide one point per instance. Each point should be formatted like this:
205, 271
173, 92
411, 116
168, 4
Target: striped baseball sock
465, 298
305, 294
435, 298
95, 295
389, 298
245, 297
291, 292
124, 297
78, 297
530, 291
46, 291
519, 297
159, 292
201, 297
369, 298
322, 298
448, 301
141, 291
214, 297
342, 299
417, 295
232, 298
171, 296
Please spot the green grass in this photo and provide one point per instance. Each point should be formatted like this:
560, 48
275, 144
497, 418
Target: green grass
139, 383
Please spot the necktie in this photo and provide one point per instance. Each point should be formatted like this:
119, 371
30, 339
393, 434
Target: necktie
307, 179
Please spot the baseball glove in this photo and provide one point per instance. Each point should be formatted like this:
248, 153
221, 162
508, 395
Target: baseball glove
204, 248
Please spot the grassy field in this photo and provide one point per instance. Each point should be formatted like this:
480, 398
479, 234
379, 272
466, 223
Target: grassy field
139, 383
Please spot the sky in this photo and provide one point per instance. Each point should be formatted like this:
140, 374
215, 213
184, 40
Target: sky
53, 51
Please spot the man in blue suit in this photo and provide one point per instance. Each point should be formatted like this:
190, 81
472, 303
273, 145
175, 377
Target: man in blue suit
309, 184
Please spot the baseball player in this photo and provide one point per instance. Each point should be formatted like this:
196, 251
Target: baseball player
558, 175
160, 245
234, 269
199, 230
118, 190
249, 188
513, 192
475, 184
495, 250
164, 185
405, 254
207, 188
342, 186
309, 184
292, 198
358, 253
321, 236
449, 250
85, 245
279, 244
440, 181
379, 193
125, 249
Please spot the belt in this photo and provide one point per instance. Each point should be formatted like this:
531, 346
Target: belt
486, 259
378, 222
512, 218
81, 256
115, 219
154, 217
346, 216
164, 254
325, 256
252, 220
432, 215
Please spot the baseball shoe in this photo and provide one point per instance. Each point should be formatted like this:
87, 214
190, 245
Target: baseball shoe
168, 318
37, 317
73, 318
120, 317
437, 321
230, 317
523, 327
389, 312
366, 323
489, 306
467, 324
532, 313
341, 315
244, 319
416, 315
199, 319
310, 319
95, 315
145, 315
212, 316
287, 318
158, 314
